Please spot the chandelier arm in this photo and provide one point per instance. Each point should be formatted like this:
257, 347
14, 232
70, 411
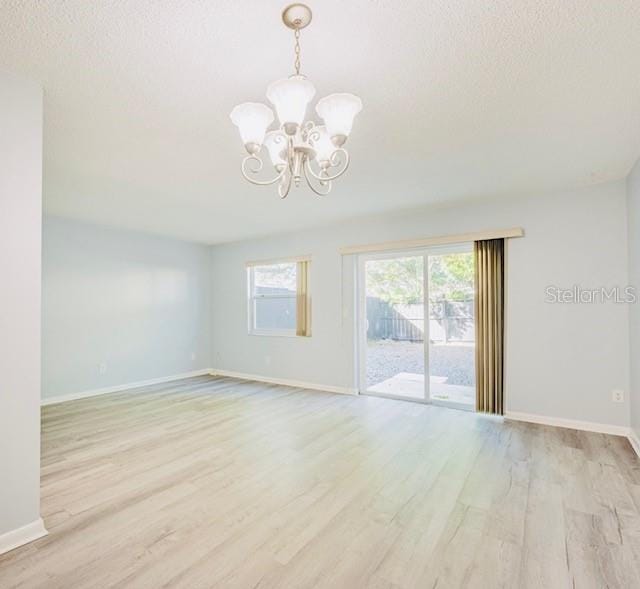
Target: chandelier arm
285, 186
290, 156
255, 170
326, 183
334, 162
311, 133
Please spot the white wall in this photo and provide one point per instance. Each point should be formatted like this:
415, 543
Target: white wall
137, 303
633, 212
20, 220
562, 360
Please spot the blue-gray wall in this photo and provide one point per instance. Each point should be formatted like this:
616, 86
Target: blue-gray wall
120, 307
633, 227
143, 305
563, 361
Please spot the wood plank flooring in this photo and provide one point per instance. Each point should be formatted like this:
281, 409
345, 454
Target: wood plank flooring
216, 482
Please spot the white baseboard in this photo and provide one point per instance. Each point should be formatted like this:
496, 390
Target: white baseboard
286, 382
122, 387
587, 426
23, 535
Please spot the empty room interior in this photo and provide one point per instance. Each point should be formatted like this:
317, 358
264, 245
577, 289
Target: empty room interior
321, 295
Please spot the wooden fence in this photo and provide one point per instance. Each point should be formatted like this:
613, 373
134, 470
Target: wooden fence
448, 321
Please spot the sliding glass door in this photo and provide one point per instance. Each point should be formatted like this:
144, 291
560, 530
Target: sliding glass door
405, 335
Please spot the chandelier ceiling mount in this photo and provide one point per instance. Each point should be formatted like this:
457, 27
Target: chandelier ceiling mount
297, 16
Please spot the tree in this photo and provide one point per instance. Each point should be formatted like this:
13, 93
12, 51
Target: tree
281, 276
399, 281
451, 276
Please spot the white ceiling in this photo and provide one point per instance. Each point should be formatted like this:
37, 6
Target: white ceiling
462, 99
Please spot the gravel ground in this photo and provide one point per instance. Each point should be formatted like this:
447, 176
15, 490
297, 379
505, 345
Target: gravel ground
386, 358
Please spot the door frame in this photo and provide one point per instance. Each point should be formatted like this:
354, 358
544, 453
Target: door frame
361, 317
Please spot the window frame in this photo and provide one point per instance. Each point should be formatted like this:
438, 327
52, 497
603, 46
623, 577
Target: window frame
252, 298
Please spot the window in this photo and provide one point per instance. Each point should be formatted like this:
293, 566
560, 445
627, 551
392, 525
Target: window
279, 302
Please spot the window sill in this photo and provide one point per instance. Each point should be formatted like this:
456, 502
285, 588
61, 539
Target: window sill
269, 333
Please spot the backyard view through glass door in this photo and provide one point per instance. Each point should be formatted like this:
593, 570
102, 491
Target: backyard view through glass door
395, 326
394, 355
451, 329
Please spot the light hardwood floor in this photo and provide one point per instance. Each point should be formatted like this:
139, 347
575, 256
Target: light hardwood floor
215, 482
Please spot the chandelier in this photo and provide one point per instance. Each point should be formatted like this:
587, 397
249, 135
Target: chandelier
297, 148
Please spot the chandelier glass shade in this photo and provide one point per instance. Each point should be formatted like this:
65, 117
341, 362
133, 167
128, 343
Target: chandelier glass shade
297, 148
338, 112
252, 120
290, 98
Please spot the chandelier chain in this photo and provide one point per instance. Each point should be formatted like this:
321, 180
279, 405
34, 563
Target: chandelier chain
296, 63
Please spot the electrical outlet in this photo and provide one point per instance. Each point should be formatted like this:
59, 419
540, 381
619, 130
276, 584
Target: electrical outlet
193, 356
617, 396
102, 368
267, 360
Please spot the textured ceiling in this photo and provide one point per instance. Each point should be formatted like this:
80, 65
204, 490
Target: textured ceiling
462, 100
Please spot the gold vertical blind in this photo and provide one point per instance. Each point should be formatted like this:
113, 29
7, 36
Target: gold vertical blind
303, 300
489, 324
